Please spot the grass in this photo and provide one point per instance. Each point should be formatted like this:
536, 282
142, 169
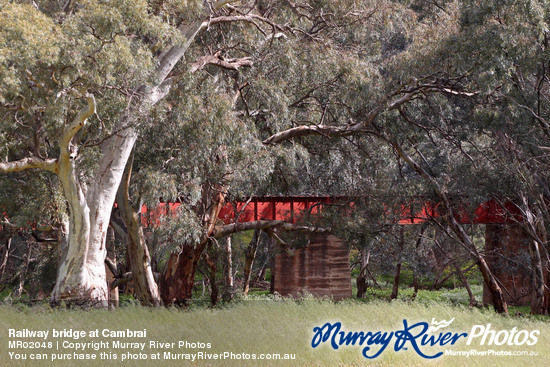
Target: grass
457, 296
269, 324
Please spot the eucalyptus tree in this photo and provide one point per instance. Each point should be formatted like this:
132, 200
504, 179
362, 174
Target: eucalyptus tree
420, 86
506, 45
513, 44
202, 151
76, 83
28, 211
270, 69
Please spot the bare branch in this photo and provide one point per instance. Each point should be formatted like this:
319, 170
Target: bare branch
218, 60
304, 130
271, 233
248, 18
124, 278
48, 164
112, 267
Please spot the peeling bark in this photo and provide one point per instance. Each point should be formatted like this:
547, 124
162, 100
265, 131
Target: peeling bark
178, 278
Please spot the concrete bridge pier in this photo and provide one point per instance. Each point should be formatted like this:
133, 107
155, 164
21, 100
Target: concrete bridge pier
321, 269
507, 254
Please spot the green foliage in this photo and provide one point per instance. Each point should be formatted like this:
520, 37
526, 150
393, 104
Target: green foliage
29, 200
329, 63
28, 39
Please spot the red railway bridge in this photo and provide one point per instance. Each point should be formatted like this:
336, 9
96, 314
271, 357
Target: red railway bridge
323, 267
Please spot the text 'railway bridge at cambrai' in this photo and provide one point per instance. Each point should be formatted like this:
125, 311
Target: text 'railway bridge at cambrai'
322, 268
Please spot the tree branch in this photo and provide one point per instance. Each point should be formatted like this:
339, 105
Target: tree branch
48, 164
388, 103
7, 223
124, 278
248, 18
170, 58
71, 130
218, 60
305, 130
221, 231
112, 267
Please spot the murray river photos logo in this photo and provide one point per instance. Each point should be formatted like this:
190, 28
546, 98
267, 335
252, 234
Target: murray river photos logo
419, 337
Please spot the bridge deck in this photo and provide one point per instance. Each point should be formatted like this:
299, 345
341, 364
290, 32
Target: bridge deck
291, 208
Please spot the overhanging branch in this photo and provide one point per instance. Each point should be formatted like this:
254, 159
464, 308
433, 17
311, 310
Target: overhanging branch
48, 164
388, 103
221, 231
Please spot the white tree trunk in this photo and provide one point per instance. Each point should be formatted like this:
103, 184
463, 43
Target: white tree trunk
81, 277
227, 270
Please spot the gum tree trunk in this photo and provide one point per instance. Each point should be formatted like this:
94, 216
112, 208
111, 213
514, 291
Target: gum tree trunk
227, 270
362, 276
395, 289
249, 260
81, 278
211, 260
537, 303
145, 287
178, 277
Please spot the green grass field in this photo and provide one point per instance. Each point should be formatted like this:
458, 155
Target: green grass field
270, 325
